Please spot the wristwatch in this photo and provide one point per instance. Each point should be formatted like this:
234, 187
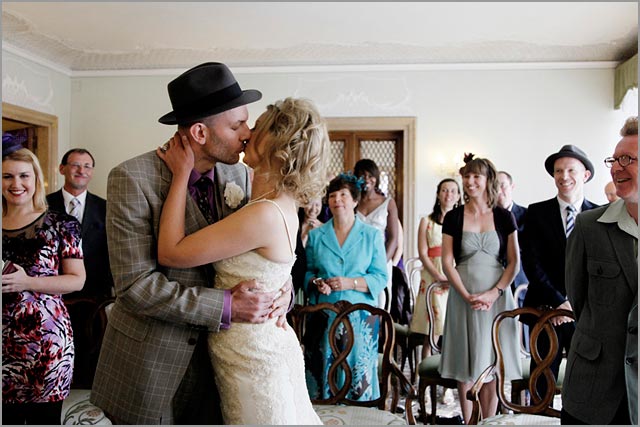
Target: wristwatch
500, 292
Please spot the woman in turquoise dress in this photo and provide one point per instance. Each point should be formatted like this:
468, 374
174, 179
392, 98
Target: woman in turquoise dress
345, 261
480, 257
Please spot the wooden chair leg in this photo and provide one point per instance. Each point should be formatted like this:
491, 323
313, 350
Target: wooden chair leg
434, 402
422, 386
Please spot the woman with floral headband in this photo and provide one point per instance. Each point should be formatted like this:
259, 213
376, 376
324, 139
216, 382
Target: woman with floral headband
345, 261
259, 368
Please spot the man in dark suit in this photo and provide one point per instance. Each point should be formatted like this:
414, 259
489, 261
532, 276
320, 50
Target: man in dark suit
505, 200
73, 198
77, 168
547, 225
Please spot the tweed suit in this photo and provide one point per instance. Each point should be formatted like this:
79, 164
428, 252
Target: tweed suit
161, 316
602, 284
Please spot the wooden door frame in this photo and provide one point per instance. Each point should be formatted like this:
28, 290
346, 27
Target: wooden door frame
406, 125
47, 132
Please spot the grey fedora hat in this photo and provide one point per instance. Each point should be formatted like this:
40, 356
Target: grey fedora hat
203, 91
569, 151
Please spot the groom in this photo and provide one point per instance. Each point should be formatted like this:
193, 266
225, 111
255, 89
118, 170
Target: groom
154, 366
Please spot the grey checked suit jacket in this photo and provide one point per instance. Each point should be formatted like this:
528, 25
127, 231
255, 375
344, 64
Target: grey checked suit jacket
602, 283
159, 313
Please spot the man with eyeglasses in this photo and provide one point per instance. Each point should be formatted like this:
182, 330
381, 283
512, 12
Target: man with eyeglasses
547, 225
74, 198
601, 381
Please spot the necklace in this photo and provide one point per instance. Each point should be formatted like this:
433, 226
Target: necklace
262, 196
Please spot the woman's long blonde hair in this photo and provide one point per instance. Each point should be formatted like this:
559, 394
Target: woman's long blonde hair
300, 144
39, 196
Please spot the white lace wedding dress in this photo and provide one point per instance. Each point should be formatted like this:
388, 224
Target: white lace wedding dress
259, 367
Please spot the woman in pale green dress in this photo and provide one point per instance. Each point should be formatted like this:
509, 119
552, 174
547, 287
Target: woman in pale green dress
480, 257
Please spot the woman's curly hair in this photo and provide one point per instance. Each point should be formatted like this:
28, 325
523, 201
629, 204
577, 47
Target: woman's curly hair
300, 142
482, 167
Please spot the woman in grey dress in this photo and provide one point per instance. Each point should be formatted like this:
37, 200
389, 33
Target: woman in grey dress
480, 257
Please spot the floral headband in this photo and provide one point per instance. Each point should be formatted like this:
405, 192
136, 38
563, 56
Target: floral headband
351, 178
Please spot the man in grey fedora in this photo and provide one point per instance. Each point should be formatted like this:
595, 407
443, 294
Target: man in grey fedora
546, 229
154, 366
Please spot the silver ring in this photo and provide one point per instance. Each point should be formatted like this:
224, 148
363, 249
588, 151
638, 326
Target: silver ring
164, 147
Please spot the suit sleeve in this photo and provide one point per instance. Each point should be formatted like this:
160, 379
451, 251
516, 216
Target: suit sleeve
532, 249
576, 275
140, 285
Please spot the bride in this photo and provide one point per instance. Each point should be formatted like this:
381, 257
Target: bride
259, 367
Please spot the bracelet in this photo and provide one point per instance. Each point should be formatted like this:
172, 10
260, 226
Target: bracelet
500, 292
315, 281
355, 284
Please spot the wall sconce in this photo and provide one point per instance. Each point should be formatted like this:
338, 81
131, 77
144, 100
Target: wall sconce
449, 168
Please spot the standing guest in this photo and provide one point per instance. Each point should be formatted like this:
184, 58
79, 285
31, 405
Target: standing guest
547, 226
154, 365
480, 258
380, 211
44, 249
90, 210
610, 192
345, 261
602, 285
430, 252
310, 220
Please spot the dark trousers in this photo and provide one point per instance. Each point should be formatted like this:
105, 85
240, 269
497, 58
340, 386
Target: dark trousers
621, 416
565, 334
48, 413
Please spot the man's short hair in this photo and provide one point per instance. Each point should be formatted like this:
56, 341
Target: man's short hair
508, 175
65, 158
630, 127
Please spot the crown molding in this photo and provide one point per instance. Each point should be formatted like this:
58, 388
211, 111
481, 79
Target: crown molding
280, 69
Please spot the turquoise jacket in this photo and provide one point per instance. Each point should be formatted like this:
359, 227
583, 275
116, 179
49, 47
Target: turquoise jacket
362, 255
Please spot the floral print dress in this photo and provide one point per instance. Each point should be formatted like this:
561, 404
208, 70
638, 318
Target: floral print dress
37, 340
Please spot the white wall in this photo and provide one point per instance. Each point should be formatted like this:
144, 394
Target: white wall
40, 88
515, 117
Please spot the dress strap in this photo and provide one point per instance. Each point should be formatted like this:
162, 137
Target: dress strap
286, 226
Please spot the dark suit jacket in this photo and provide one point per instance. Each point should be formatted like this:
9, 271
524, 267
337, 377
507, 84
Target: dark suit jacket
543, 253
602, 285
99, 282
519, 213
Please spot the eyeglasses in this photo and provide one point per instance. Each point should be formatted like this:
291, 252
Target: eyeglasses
623, 161
78, 166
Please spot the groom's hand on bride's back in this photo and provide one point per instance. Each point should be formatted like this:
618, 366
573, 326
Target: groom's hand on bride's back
249, 304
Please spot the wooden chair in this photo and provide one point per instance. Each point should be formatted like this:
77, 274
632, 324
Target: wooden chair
91, 322
428, 374
408, 342
540, 410
339, 409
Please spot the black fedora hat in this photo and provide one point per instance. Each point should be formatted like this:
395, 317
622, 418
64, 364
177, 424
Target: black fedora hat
569, 151
203, 91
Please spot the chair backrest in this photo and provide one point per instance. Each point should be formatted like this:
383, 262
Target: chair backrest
413, 267
516, 296
435, 347
339, 370
539, 405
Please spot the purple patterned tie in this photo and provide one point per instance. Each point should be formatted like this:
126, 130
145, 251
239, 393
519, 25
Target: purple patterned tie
203, 185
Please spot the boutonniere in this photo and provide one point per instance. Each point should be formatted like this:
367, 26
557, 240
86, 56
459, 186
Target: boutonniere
233, 195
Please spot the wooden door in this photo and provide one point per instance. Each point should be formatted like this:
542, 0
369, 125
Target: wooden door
383, 147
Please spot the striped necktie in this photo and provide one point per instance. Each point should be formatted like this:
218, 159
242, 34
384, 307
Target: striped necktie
571, 219
75, 208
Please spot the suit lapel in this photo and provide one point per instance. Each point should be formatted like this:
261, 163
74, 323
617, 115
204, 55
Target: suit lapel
353, 239
557, 223
330, 241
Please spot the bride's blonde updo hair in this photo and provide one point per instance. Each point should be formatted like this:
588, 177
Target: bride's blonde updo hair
300, 143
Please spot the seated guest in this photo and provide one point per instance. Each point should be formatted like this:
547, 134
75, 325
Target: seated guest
345, 261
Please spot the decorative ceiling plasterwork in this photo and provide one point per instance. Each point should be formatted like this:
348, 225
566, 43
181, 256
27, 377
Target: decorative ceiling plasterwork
19, 33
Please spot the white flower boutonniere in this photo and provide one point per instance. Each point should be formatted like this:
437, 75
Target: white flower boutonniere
233, 195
